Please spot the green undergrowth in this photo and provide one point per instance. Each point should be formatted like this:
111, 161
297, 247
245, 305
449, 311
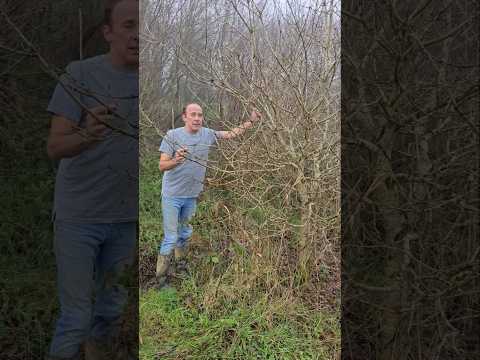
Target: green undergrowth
150, 184
214, 313
28, 306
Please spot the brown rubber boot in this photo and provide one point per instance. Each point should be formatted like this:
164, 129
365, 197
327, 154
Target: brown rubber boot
181, 265
163, 264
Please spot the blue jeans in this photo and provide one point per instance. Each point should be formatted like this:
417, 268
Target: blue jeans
177, 213
90, 259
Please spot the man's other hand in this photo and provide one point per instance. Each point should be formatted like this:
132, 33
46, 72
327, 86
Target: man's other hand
180, 155
96, 119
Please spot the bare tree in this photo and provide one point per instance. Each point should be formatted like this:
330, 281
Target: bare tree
283, 59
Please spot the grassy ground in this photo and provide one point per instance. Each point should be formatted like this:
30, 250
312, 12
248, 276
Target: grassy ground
28, 304
224, 309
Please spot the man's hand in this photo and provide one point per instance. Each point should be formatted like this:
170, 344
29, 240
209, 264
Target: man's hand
66, 139
96, 119
167, 162
180, 155
255, 116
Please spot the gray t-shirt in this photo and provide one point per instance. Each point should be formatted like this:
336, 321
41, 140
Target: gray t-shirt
186, 179
100, 185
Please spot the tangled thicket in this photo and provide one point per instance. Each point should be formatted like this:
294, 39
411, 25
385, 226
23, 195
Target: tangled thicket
283, 59
410, 254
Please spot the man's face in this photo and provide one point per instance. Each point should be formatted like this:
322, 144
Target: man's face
193, 117
122, 33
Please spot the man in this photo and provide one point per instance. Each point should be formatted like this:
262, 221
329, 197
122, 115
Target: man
94, 134
184, 155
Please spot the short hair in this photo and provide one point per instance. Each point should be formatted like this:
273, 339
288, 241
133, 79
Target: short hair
108, 10
184, 110
109, 6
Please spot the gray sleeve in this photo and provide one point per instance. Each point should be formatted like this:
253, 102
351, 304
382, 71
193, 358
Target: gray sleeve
212, 136
167, 144
62, 103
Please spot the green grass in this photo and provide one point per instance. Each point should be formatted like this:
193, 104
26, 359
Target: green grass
178, 331
27, 266
210, 315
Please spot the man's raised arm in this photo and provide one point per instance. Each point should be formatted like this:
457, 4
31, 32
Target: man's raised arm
240, 130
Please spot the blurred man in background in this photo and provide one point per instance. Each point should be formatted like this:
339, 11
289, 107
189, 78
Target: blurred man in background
94, 135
